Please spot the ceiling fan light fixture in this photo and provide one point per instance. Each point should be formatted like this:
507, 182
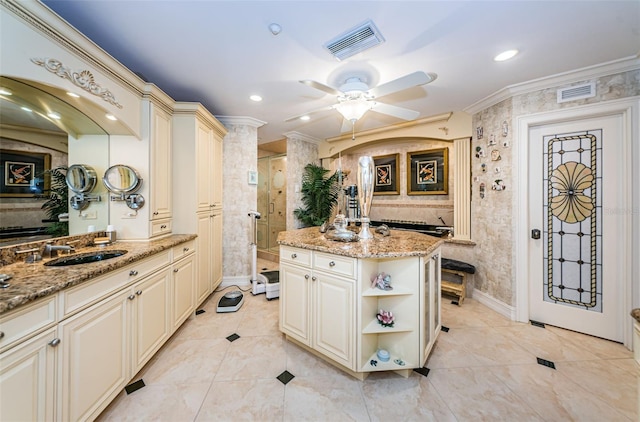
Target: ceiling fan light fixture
353, 110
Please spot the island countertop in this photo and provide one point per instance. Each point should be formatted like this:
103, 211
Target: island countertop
398, 244
33, 281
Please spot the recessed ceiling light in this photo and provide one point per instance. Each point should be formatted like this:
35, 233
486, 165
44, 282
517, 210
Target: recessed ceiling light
5, 91
255, 98
27, 109
54, 115
73, 94
505, 55
305, 118
111, 117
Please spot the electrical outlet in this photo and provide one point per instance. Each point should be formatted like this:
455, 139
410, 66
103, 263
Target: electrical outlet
129, 215
89, 215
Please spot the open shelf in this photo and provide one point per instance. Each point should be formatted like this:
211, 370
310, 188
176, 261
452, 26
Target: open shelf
375, 328
385, 366
397, 291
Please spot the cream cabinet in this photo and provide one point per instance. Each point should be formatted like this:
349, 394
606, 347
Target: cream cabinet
160, 180
317, 302
183, 290
27, 374
197, 158
93, 364
328, 304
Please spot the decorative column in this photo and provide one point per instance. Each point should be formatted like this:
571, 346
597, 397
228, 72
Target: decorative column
462, 192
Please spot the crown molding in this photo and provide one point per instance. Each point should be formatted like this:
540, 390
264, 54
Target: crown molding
591, 72
240, 121
302, 137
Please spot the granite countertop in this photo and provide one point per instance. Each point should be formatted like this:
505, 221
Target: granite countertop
398, 244
32, 281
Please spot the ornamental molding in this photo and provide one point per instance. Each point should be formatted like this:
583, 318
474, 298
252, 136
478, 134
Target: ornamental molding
83, 79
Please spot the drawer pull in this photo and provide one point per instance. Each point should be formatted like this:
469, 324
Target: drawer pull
139, 292
133, 272
54, 342
293, 256
131, 297
1, 334
164, 226
185, 249
155, 213
332, 264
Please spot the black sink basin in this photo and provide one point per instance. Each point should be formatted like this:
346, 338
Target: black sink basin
85, 258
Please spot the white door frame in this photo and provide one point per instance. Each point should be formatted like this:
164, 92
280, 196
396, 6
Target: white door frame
629, 108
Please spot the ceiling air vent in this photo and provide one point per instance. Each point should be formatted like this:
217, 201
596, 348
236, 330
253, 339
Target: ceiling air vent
354, 41
577, 92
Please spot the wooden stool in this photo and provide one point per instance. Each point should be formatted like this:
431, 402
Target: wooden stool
456, 287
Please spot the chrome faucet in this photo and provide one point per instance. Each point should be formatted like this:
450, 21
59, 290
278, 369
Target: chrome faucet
51, 251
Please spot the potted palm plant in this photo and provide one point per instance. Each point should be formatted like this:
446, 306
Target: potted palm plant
57, 202
319, 195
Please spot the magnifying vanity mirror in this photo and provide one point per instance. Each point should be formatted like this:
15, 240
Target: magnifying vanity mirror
124, 181
81, 179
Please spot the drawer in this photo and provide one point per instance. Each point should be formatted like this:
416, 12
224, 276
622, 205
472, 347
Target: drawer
184, 249
26, 321
295, 256
334, 264
78, 297
160, 227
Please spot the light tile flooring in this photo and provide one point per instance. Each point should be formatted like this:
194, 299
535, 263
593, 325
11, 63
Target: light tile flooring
483, 369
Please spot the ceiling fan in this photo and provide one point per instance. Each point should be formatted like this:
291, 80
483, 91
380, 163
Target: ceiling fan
355, 97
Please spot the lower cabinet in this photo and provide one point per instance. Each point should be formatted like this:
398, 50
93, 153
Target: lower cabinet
328, 304
76, 364
317, 308
27, 374
93, 364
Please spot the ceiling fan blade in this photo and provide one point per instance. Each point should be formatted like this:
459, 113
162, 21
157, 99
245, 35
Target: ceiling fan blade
317, 110
321, 87
395, 111
400, 84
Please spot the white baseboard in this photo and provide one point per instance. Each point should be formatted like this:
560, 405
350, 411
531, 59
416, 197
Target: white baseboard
240, 281
502, 308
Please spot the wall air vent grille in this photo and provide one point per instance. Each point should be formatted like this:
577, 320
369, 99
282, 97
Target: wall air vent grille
355, 41
577, 92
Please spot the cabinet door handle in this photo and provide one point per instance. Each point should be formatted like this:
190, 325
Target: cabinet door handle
306, 276
175, 270
1, 334
131, 297
313, 278
293, 256
332, 264
139, 292
54, 342
133, 272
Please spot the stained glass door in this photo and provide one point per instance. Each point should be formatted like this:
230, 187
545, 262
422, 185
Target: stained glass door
576, 186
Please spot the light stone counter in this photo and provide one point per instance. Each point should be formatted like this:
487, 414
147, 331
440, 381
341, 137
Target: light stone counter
398, 244
32, 281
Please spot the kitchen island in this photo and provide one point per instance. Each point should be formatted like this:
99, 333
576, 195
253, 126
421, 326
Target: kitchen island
329, 306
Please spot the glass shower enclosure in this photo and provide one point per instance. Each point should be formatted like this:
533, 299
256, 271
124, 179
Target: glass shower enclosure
272, 201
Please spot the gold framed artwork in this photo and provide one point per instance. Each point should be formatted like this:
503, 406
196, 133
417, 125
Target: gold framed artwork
387, 175
428, 172
23, 174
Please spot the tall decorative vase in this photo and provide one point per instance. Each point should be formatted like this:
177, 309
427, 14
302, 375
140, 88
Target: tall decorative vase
365, 190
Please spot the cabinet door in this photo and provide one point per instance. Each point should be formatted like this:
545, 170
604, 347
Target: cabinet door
204, 170
160, 183
205, 260
216, 249
216, 176
27, 390
295, 306
334, 319
182, 290
151, 322
93, 359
